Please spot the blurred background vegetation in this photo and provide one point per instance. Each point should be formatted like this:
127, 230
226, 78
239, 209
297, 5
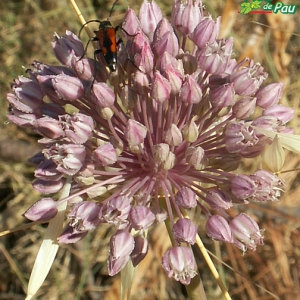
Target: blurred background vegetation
80, 271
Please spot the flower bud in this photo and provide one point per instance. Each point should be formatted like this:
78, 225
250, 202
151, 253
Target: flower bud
121, 246
244, 108
206, 31
49, 127
281, 112
141, 217
43, 210
150, 15
242, 187
186, 198
102, 95
47, 186
217, 199
222, 96
28, 94
163, 156
185, 231
246, 231
190, 90
186, 15
68, 87
105, 154
190, 131
142, 54
161, 88
173, 136
70, 235
66, 47
164, 39
269, 95
218, 229
135, 133
195, 157
131, 24
179, 263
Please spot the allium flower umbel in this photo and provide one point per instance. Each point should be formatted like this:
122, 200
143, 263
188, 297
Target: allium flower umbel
166, 131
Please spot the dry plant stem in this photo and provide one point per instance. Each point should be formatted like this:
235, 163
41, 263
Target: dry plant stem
212, 268
19, 228
81, 18
49, 247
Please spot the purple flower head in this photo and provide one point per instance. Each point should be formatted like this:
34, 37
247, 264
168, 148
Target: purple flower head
159, 138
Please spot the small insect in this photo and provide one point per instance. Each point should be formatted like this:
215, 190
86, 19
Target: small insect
107, 41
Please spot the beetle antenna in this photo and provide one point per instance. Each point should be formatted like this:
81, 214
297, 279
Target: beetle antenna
112, 9
83, 26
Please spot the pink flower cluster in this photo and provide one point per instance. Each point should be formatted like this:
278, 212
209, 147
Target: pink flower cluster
167, 130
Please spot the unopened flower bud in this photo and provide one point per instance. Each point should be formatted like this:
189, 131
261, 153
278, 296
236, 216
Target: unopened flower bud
244, 108
242, 187
141, 217
49, 127
48, 186
269, 95
68, 87
184, 230
222, 96
195, 157
131, 23
150, 15
164, 39
190, 131
102, 95
206, 31
43, 210
135, 133
190, 90
105, 154
66, 47
173, 136
121, 246
186, 198
218, 229
217, 199
161, 88
186, 15
281, 112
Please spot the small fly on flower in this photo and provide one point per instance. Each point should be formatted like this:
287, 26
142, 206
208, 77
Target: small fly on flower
107, 41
